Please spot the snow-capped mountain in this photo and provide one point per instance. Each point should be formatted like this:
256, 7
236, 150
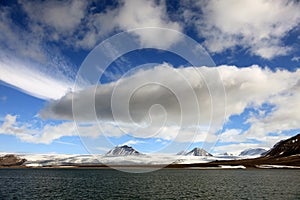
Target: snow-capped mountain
253, 152
226, 154
59, 159
182, 153
122, 151
198, 152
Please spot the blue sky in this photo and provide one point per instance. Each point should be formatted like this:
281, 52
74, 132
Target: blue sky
252, 51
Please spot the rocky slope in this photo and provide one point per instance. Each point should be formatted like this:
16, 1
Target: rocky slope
285, 148
122, 151
253, 152
11, 160
198, 152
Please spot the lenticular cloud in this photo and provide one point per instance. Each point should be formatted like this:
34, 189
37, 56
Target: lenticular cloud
163, 94
186, 96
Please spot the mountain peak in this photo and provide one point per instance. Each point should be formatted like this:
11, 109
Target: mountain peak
198, 152
123, 150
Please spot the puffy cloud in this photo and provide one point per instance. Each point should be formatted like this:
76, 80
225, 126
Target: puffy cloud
236, 145
143, 14
296, 58
231, 135
236, 149
284, 115
64, 16
48, 133
257, 25
92, 131
15, 40
133, 14
76, 24
8, 125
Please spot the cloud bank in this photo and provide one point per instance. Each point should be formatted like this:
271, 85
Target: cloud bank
250, 86
153, 110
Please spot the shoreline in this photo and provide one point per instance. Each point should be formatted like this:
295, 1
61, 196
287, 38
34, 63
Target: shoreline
200, 166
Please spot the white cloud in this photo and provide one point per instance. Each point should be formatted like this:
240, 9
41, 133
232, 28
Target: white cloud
232, 135
29, 64
47, 134
137, 106
3, 98
142, 14
236, 149
76, 25
15, 40
133, 142
168, 119
257, 25
241, 143
244, 87
296, 58
133, 14
8, 125
178, 94
28, 79
285, 115
63, 16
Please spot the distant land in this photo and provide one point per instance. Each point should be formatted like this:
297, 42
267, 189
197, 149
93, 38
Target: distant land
284, 154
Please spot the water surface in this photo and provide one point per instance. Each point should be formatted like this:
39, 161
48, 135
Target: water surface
166, 183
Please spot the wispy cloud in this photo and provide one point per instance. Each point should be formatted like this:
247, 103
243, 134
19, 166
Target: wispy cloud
296, 58
133, 142
30, 80
3, 98
66, 143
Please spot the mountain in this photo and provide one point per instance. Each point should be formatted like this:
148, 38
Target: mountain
225, 154
285, 148
283, 153
198, 152
122, 151
181, 153
253, 152
11, 160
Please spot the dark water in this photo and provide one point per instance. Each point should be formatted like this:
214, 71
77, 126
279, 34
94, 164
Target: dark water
163, 184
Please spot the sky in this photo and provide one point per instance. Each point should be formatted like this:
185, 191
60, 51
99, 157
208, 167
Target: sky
80, 77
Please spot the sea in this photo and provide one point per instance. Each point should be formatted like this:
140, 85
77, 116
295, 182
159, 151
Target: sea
162, 184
